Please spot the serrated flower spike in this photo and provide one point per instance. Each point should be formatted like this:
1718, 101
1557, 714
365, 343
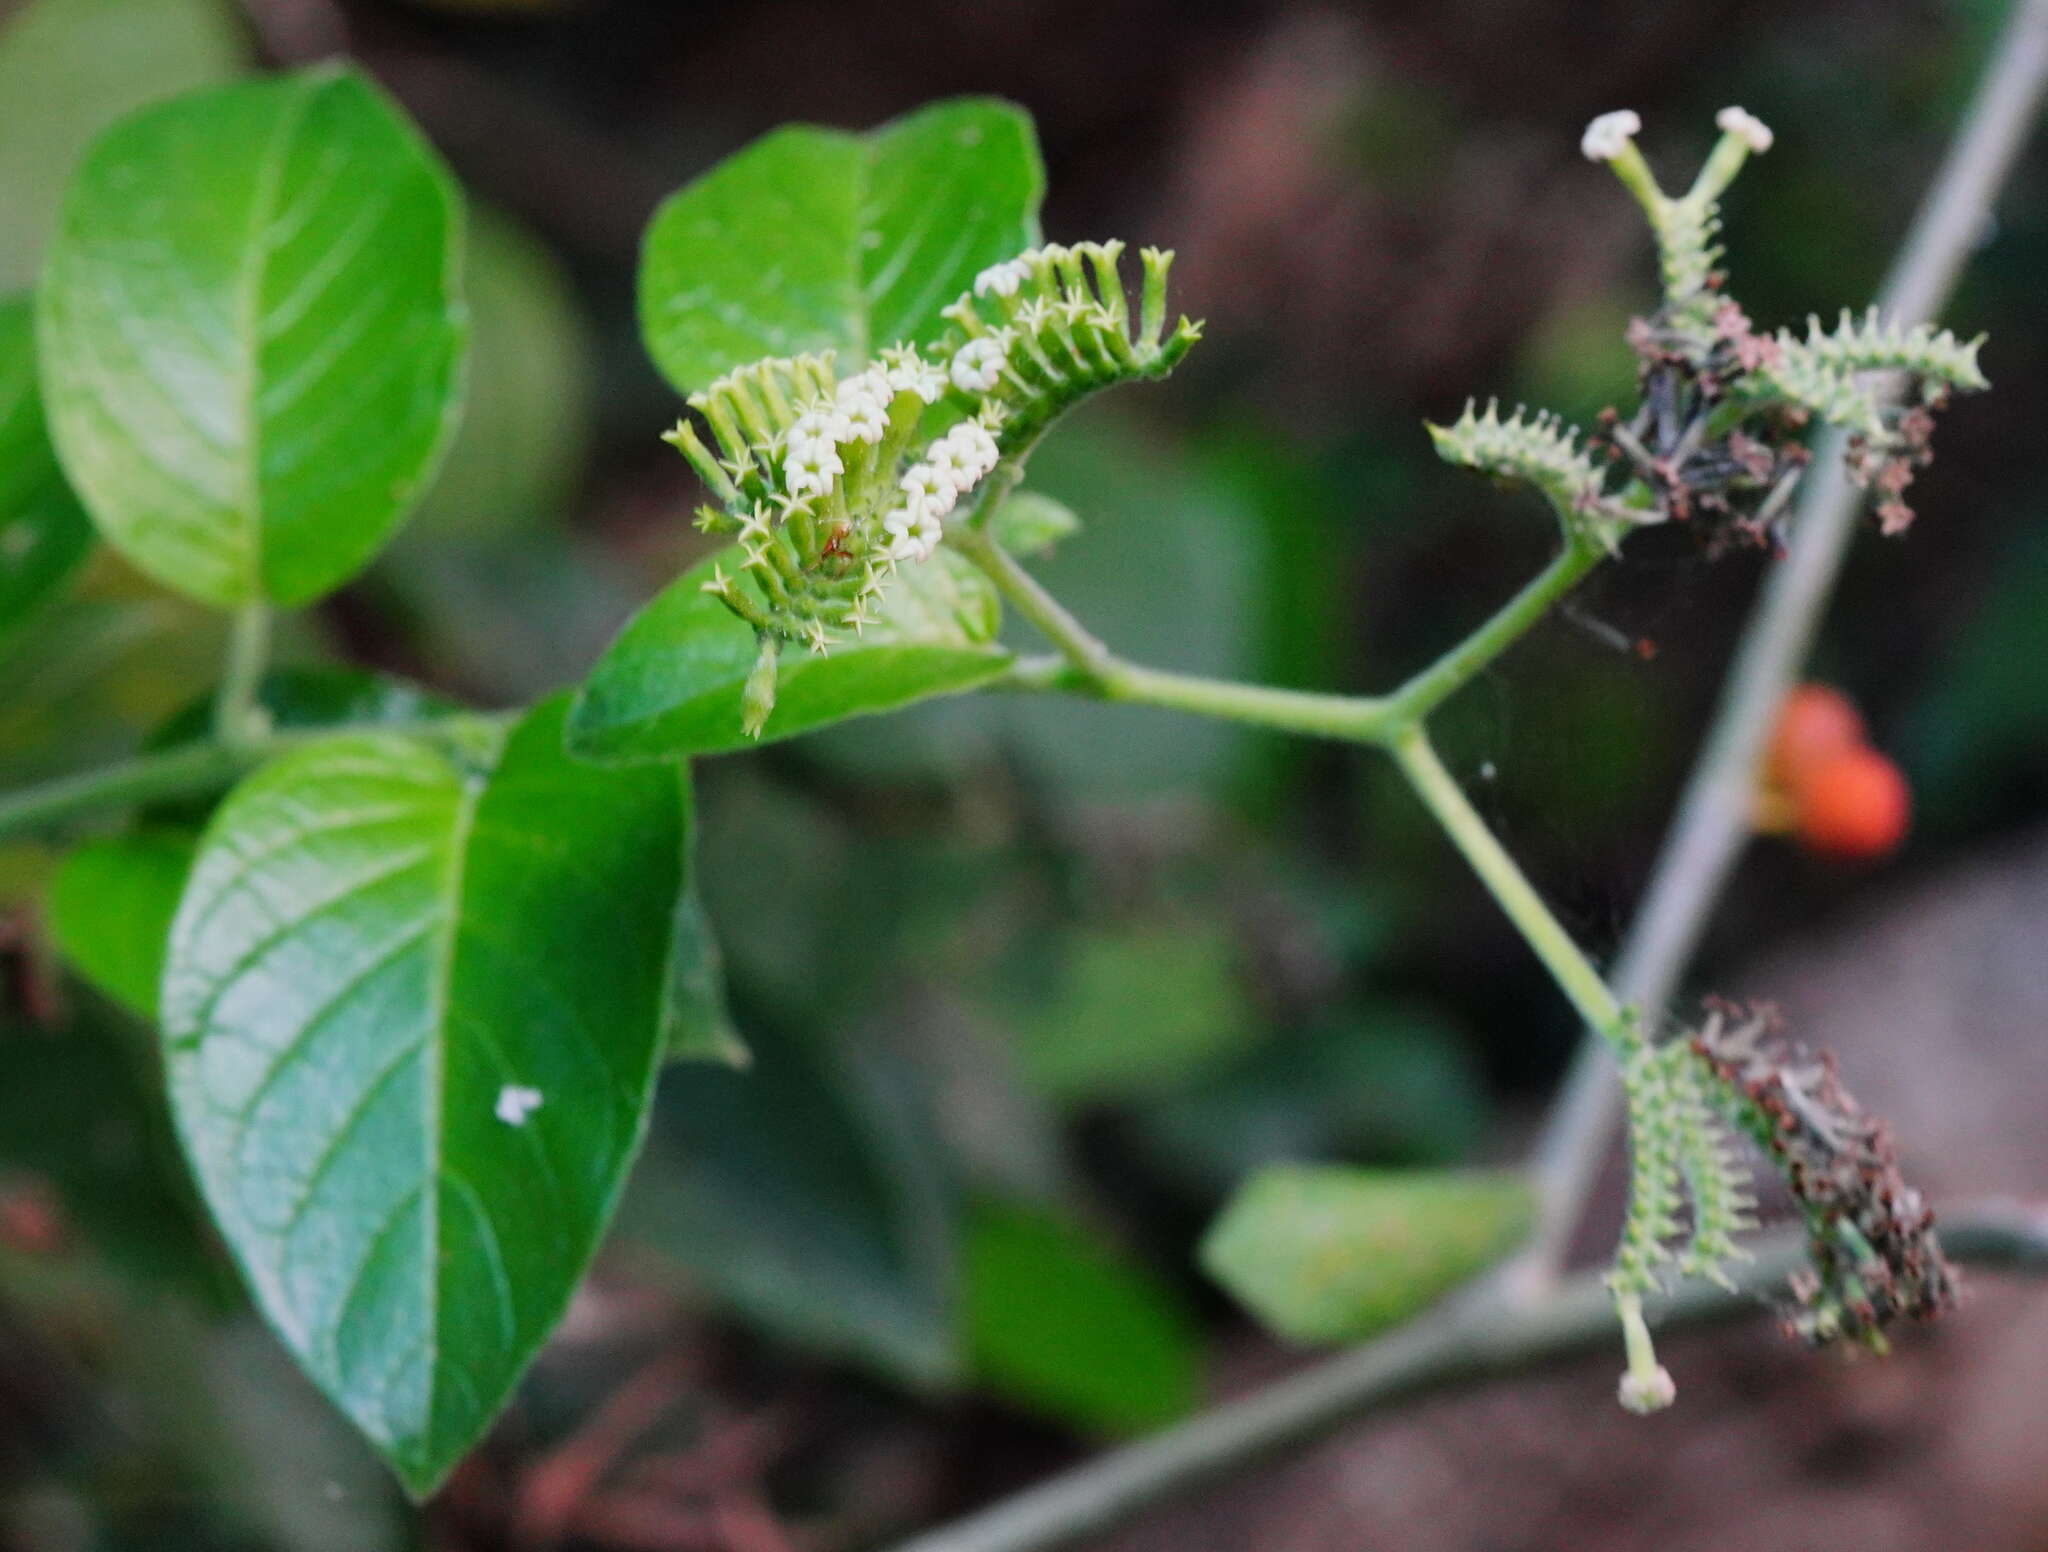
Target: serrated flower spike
830, 483
1872, 1250
1873, 1255
1717, 435
1541, 450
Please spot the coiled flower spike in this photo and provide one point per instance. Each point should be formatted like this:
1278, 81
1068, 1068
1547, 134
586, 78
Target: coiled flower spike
831, 483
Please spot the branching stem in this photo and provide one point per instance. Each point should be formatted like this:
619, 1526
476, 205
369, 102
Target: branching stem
189, 770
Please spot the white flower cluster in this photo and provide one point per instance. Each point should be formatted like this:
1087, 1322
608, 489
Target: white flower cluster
1746, 127
951, 467
1607, 136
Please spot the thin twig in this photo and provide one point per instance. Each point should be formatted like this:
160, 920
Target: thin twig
1480, 1337
1712, 823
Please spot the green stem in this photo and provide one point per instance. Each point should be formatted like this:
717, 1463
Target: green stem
1444, 798
1450, 673
235, 708
190, 770
1395, 721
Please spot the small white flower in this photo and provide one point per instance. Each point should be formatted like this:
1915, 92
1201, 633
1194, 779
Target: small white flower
1608, 134
954, 464
927, 490
999, 279
809, 469
913, 374
979, 365
828, 427
976, 445
516, 1103
866, 420
919, 539
1746, 127
871, 386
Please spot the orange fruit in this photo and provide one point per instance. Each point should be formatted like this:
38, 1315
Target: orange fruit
1814, 723
1852, 805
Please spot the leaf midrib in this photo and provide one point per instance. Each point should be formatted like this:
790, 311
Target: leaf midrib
470, 791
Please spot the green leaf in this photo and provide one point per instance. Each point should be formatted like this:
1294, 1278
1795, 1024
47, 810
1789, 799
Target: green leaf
808, 1193
382, 938
68, 69
670, 685
1327, 1254
1066, 1325
814, 239
110, 908
251, 336
1028, 523
44, 533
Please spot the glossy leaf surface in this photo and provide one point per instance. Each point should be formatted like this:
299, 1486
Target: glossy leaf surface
251, 335
815, 239
413, 1010
670, 684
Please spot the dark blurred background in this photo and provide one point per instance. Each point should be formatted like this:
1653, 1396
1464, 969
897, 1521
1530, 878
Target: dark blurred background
1031, 984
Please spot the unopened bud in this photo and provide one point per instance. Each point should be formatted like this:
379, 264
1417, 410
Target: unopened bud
1650, 1390
757, 700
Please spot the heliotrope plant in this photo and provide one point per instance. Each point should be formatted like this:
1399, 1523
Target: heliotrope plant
425, 963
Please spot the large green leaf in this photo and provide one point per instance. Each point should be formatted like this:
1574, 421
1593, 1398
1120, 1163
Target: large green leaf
251, 334
383, 942
814, 239
1327, 1254
808, 1193
1067, 1325
68, 69
670, 684
43, 530
111, 901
